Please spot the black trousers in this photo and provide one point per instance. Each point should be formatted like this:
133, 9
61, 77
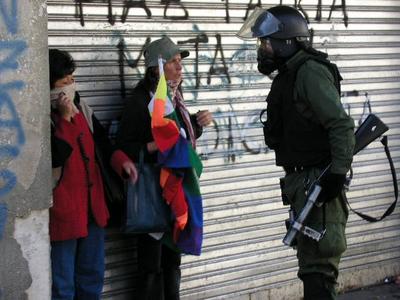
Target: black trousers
159, 270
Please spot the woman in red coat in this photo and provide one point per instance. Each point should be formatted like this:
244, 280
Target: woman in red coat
79, 212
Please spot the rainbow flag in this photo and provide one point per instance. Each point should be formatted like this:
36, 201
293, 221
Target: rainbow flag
181, 168
165, 131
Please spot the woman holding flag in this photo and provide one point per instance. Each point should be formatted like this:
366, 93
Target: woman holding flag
156, 121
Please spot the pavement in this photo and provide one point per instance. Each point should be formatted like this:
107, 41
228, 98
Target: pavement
386, 291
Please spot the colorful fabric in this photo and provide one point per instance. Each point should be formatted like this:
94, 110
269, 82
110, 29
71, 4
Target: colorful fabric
164, 130
180, 171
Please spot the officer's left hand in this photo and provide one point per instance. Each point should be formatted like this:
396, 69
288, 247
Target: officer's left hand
204, 118
332, 185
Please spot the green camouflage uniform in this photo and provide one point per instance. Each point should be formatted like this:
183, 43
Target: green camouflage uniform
317, 98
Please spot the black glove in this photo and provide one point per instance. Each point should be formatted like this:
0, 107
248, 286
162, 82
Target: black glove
332, 185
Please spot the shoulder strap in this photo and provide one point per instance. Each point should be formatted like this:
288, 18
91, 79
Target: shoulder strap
396, 190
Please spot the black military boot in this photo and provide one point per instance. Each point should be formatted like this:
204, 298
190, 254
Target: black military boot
318, 287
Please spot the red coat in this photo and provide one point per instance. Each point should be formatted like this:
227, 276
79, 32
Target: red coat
70, 210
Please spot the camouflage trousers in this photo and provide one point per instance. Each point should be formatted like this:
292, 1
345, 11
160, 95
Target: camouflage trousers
317, 258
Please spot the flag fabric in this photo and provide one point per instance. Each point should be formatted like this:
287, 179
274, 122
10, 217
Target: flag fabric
165, 131
181, 168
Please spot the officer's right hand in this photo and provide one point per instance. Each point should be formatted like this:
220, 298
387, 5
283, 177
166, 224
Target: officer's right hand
332, 185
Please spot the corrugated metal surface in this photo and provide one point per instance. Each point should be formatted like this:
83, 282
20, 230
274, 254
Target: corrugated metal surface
243, 252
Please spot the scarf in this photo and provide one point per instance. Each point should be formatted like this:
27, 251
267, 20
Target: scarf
178, 102
68, 90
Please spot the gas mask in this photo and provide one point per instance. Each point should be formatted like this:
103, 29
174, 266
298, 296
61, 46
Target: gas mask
266, 63
266, 57
272, 53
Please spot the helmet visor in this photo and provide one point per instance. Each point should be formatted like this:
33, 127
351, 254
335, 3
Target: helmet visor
259, 24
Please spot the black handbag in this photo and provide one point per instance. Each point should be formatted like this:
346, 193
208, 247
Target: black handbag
146, 210
113, 184
113, 189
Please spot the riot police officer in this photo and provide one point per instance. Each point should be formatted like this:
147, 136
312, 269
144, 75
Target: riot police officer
307, 128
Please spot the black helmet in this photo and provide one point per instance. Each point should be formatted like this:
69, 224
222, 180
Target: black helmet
280, 22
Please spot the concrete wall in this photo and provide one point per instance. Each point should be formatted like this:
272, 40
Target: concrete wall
25, 189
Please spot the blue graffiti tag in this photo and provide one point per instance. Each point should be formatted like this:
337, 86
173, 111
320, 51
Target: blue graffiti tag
14, 49
11, 123
3, 220
9, 15
7, 105
9, 120
9, 151
9, 181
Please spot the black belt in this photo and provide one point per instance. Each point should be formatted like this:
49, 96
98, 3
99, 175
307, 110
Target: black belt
296, 169
299, 169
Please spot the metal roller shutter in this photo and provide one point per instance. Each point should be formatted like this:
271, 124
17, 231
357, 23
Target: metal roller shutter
243, 251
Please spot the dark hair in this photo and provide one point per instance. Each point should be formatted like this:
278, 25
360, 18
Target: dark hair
150, 79
61, 65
